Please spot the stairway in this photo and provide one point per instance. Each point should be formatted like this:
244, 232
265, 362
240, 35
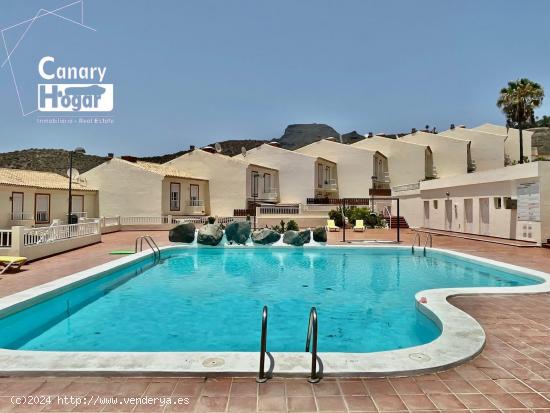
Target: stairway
402, 222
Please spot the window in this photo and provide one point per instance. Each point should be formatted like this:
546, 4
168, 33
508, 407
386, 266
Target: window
42, 208
77, 203
175, 190
254, 182
319, 176
194, 196
327, 174
17, 203
435, 204
498, 202
267, 183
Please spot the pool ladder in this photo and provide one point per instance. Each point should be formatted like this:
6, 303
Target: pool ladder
152, 244
311, 340
426, 240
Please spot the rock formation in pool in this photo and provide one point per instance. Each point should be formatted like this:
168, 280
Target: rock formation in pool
265, 236
297, 238
320, 234
238, 231
210, 234
183, 233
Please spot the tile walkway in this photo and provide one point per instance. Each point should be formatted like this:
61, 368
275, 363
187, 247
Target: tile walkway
511, 375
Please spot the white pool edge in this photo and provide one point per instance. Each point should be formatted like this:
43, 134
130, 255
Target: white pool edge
462, 338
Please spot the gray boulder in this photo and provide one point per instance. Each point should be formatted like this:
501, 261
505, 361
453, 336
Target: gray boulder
210, 234
182, 233
265, 236
238, 231
297, 238
320, 234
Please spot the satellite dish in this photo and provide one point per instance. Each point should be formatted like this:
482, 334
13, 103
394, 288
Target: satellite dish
243, 151
218, 147
75, 173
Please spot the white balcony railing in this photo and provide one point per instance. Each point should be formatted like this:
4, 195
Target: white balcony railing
330, 185
406, 187
21, 216
36, 236
279, 210
196, 203
5, 238
80, 214
42, 216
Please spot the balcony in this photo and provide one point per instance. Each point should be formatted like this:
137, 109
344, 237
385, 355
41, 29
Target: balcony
271, 195
328, 185
380, 188
194, 207
21, 218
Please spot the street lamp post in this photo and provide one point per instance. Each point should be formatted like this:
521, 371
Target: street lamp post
255, 194
76, 150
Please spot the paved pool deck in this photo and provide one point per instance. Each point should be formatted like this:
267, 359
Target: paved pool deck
512, 374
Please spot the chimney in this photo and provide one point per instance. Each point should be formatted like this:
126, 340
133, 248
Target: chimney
413, 130
209, 149
452, 126
129, 158
370, 135
275, 144
191, 147
110, 155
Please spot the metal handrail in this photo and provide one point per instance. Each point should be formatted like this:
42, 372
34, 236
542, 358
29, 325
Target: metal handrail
152, 244
262, 377
388, 211
428, 237
312, 333
416, 236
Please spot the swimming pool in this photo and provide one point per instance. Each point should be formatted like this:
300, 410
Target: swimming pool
210, 300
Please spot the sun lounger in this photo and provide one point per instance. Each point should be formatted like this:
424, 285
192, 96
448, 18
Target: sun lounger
359, 225
11, 262
331, 226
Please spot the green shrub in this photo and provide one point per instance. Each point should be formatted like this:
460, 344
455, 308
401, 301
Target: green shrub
292, 226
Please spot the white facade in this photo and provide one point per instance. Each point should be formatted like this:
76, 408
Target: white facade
231, 181
487, 149
300, 176
512, 141
407, 162
450, 155
356, 166
511, 202
141, 189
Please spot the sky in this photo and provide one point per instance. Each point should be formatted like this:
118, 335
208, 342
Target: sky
192, 72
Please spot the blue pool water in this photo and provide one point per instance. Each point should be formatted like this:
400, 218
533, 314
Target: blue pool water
210, 299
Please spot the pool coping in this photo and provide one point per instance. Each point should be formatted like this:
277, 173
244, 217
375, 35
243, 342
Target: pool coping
462, 337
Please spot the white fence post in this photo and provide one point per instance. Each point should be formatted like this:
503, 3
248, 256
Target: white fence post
17, 240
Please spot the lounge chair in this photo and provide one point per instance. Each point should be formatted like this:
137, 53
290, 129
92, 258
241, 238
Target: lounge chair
11, 262
359, 225
331, 226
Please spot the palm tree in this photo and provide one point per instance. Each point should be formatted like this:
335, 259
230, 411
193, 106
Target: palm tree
518, 102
